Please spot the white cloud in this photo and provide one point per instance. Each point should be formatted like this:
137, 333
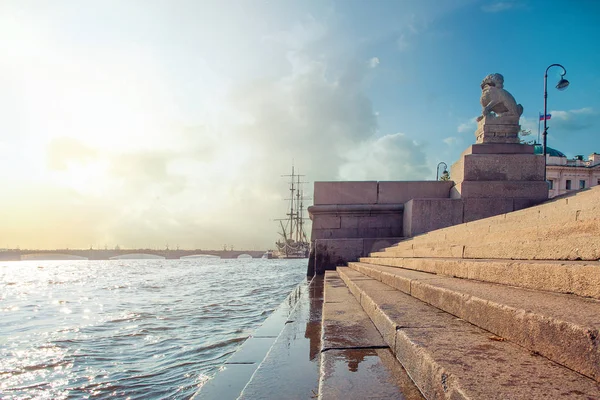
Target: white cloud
390, 157
122, 155
402, 43
529, 124
451, 140
467, 126
500, 6
573, 120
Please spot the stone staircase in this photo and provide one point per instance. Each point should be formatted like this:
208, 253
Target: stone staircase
506, 307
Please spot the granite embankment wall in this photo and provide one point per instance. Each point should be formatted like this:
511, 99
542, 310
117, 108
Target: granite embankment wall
353, 219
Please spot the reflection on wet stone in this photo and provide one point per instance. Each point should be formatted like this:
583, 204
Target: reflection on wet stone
365, 374
294, 357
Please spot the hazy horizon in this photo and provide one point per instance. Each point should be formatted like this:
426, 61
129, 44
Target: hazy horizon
143, 123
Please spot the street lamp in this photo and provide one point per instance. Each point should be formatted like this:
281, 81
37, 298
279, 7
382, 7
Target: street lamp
437, 171
561, 85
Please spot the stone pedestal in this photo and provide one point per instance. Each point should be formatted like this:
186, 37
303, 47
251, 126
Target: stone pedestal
493, 178
493, 129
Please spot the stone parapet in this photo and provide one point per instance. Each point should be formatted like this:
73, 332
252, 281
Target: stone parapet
402, 191
373, 192
535, 190
356, 220
366, 211
345, 193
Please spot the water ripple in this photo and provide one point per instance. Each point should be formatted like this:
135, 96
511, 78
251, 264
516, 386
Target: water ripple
138, 329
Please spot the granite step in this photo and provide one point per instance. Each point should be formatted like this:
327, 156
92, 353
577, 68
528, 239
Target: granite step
564, 244
565, 228
450, 358
356, 363
571, 277
564, 328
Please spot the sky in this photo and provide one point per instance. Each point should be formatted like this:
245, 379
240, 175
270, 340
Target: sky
155, 123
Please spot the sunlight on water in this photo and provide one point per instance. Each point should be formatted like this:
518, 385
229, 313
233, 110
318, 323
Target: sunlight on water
135, 329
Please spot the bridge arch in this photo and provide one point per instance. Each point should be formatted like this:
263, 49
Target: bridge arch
50, 256
137, 256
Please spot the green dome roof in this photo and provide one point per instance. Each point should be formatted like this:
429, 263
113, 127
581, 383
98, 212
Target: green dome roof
539, 149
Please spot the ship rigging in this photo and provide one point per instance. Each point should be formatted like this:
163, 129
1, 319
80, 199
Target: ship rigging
293, 242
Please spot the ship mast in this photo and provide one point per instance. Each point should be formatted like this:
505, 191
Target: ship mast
298, 212
292, 214
294, 236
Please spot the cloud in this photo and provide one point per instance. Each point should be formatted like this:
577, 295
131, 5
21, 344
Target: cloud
573, 120
150, 171
390, 157
451, 140
529, 124
402, 42
501, 6
467, 126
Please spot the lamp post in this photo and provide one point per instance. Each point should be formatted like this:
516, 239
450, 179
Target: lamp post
561, 85
437, 171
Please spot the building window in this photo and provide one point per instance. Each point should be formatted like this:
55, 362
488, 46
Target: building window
568, 184
550, 184
582, 184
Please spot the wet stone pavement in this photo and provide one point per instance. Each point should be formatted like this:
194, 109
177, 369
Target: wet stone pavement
281, 359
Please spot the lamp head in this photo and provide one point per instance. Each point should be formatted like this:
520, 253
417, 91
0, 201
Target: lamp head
562, 84
445, 174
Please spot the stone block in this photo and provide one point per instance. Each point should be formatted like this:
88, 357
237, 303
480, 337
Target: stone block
424, 215
498, 130
330, 253
501, 167
403, 191
369, 232
506, 189
350, 221
377, 244
457, 171
326, 222
519, 204
479, 208
499, 148
351, 233
345, 192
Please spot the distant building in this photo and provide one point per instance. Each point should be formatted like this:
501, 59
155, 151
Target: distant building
565, 174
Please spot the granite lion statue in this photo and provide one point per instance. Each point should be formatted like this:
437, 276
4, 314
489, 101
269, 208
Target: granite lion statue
496, 101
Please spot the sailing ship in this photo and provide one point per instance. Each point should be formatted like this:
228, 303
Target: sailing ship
293, 242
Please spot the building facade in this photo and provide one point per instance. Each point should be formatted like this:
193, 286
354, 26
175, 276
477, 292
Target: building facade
565, 175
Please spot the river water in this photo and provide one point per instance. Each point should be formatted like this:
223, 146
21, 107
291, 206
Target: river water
130, 329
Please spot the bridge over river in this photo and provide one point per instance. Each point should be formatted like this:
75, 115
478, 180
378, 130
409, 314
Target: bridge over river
94, 254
